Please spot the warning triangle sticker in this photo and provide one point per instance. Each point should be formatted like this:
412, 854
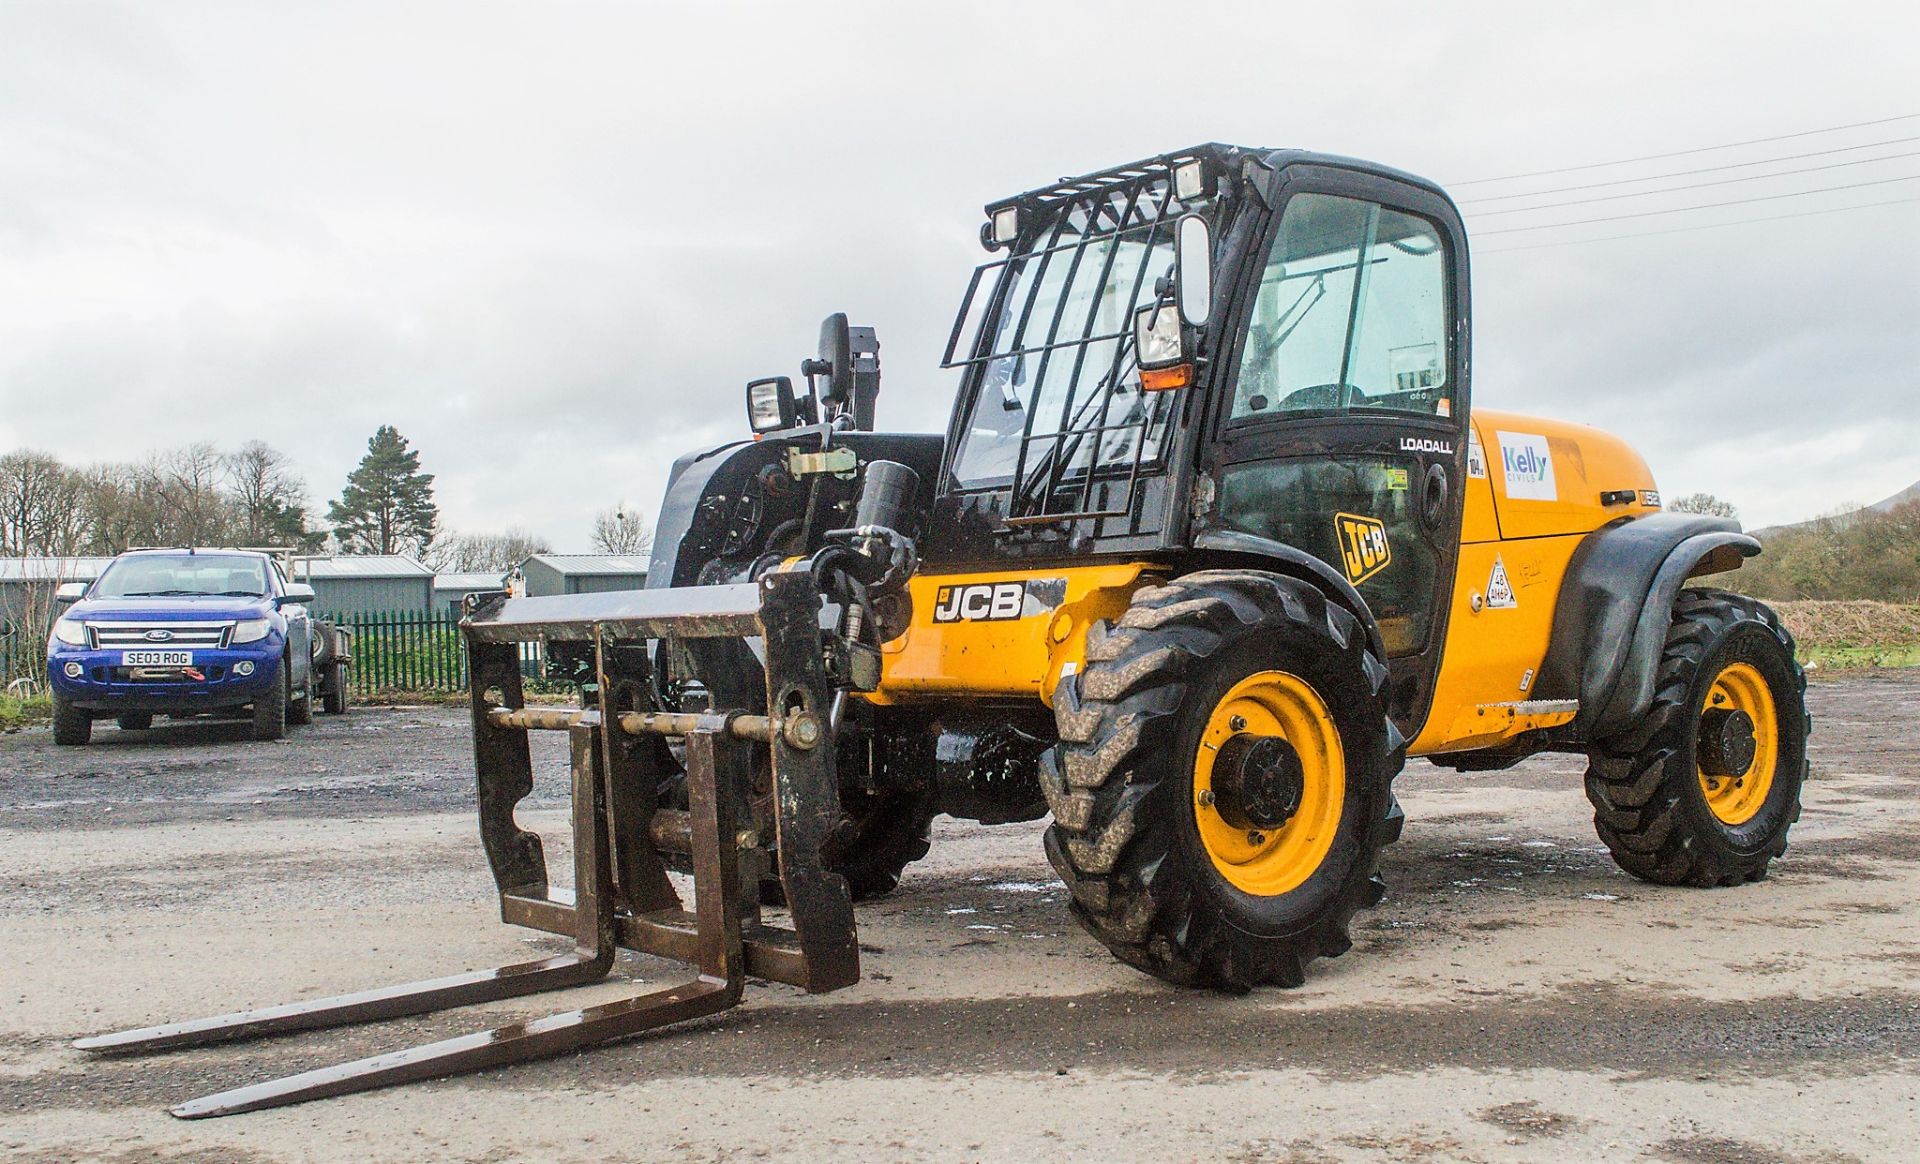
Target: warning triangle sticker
1499, 590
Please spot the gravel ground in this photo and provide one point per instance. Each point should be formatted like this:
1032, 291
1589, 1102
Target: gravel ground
1515, 998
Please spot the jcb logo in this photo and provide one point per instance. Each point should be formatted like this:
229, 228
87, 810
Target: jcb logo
1364, 551
984, 602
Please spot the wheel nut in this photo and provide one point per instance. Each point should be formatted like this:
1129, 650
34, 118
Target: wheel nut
1206, 797
1256, 838
1238, 723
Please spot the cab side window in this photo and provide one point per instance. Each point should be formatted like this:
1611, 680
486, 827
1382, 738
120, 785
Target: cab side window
1351, 313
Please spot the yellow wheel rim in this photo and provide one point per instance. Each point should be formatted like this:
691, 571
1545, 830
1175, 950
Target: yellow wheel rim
1269, 862
1735, 799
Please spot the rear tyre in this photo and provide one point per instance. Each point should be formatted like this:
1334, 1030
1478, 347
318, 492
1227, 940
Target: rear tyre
334, 702
878, 837
270, 710
134, 721
70, 724
1703, 789
1222, 789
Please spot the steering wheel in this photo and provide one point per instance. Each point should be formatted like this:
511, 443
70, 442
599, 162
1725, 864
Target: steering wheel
1322, 396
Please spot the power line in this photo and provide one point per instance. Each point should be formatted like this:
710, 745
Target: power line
1690, 229
1684, 153
1702, 206
1686, 173
1696, 185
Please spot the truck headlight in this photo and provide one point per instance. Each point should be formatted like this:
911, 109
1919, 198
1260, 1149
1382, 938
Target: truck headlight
251, 630
1158, 340
70, 631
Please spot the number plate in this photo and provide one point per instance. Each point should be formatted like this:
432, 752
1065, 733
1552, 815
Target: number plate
156, 658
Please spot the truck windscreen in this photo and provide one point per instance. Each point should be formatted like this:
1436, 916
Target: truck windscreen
183, 576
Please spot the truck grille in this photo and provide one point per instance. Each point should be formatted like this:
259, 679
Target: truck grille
135, 636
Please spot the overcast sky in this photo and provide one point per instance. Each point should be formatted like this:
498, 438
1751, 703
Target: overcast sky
551, 242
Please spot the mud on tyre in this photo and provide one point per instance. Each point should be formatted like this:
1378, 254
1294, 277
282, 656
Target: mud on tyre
1196, 849
1702, 790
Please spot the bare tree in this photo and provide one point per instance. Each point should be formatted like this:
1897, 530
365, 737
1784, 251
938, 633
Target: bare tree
37, 496
268, 497
621, 530
194, 510
1703, 503
472, 553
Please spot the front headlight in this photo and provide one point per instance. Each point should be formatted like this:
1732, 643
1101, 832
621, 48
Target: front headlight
251, 631
70, 631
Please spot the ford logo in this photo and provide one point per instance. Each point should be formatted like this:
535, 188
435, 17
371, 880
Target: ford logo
159, 636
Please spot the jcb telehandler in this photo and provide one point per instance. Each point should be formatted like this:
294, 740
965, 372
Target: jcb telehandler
1213, 542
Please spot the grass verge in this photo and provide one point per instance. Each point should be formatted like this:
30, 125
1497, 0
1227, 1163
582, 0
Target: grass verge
16, 711
1843, 636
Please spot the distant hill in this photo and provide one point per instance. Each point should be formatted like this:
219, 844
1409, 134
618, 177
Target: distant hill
1910, 493
1870, 553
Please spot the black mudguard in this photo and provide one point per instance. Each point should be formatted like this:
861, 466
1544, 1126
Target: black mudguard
1227, 548
1611, 621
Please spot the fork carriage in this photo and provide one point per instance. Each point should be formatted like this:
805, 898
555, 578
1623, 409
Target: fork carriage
622, 897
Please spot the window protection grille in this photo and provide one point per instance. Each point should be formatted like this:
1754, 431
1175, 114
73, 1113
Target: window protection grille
1054, 344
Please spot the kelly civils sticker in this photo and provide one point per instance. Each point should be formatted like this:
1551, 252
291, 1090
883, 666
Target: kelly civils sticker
1527, 463
1364, 551
998, 601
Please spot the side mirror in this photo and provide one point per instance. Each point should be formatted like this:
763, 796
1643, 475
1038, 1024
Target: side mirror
835, 362
297, 593
770, 405
1193, 269
70, 592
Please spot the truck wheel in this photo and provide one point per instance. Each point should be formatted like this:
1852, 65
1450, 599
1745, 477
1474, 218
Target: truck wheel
300, 711
1222, 789
334, 702
70, 724
270, 710
1704, 788
134, 721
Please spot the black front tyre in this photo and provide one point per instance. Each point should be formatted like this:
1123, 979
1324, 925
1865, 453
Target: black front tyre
1222, 789
270, 710
1702, 790
71, 725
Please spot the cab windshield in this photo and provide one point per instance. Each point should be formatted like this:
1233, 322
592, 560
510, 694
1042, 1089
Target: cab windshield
183, 576
1058, 389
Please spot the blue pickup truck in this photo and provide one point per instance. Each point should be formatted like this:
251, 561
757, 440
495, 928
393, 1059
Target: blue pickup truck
191, 632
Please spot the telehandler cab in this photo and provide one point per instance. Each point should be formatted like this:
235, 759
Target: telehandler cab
1213, 542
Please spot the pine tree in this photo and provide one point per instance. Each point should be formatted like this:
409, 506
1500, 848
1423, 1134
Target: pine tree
387, 506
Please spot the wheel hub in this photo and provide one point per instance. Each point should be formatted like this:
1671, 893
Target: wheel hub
1258, 782
1727, 744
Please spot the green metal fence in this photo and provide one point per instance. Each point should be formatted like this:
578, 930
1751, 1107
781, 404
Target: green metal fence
415, 651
